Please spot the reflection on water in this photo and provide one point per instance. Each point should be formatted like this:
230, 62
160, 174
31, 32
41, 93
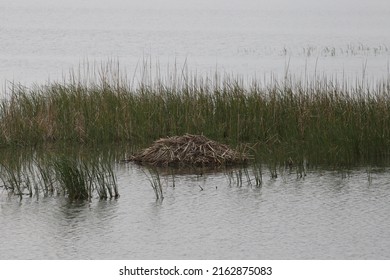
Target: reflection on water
325, 215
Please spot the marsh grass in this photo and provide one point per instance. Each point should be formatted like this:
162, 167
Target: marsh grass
12, 181
252, 176
325, 121
155, 181
73, 177
80, 179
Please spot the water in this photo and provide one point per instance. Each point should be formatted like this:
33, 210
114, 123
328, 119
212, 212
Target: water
42, 40
326, 215
323, 216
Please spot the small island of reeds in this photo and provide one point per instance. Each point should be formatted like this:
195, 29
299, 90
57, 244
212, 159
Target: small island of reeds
322, 121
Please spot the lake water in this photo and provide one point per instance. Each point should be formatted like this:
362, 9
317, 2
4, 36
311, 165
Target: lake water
326, 215
41, 40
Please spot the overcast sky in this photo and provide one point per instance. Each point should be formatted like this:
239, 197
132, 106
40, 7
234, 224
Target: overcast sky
295, 4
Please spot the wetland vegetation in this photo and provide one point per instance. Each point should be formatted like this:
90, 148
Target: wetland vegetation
323, 121
71, 173
284, 123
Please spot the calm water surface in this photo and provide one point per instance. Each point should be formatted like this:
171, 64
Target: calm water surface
348, 39
326, 215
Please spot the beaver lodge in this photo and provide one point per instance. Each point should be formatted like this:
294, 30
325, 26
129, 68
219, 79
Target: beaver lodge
188, 150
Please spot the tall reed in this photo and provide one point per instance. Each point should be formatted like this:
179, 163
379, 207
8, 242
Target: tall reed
155, 182
324, 121
49, 174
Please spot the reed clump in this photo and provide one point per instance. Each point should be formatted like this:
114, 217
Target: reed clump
155, 182
79, 179
75, 178
188, 150
324, 121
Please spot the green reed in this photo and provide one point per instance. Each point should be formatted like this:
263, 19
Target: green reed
155, 181
323, 121
73, 178
49, 174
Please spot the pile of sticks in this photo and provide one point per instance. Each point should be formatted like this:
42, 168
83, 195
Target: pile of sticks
188, 150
